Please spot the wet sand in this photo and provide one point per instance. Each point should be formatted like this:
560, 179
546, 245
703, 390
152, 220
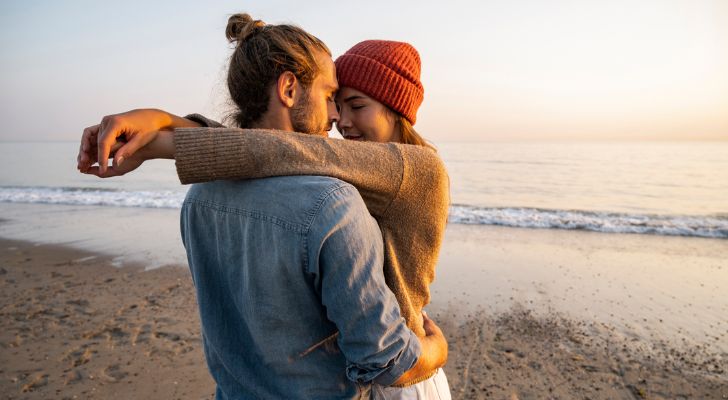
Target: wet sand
539, 314
647, 287
549, 316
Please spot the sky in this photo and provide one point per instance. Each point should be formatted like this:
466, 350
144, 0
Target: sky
508, 70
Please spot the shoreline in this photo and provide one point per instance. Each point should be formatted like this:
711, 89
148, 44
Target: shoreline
134, 236
76, 325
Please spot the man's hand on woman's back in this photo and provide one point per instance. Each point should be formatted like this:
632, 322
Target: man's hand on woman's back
433, 356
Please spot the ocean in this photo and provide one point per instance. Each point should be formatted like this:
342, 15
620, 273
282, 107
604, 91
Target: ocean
636, 232
674, 189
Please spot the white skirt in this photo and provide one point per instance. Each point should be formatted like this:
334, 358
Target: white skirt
434, 388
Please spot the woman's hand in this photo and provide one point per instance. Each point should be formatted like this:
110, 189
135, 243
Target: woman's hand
131, 138
161, 146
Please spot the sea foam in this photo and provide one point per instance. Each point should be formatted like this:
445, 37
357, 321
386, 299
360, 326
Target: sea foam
712, 226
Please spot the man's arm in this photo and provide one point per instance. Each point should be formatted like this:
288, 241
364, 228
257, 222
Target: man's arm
345, 257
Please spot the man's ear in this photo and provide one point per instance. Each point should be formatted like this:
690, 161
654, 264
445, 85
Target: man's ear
286, 88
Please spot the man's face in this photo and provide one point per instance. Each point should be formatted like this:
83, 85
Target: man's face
315, 111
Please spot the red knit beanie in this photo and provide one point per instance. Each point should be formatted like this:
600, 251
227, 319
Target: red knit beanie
387, 71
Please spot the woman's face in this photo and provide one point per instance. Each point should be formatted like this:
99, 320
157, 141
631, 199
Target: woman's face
363, 118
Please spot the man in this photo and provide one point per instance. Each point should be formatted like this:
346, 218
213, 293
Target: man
281, 264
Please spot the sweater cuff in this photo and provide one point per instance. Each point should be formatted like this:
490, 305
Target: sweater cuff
193, 147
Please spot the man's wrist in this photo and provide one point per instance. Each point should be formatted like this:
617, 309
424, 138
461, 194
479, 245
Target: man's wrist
407, 361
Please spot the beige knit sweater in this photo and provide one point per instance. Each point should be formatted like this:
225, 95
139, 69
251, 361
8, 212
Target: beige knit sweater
405, 188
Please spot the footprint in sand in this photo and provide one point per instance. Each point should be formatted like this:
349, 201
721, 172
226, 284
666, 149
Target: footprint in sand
79, 356
113, 373
141, 334
72, 377
38, 381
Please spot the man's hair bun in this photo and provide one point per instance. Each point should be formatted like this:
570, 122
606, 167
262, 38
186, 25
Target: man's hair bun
241, 26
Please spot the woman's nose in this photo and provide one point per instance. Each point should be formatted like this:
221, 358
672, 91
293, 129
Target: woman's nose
344, 121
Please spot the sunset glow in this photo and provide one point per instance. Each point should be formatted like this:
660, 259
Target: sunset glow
524, 70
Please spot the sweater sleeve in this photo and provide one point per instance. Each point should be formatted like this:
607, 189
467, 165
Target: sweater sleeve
204, 121
377, 170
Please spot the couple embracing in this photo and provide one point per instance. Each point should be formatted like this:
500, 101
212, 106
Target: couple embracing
311, 257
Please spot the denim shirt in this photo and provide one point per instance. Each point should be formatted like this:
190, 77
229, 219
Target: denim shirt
280, 265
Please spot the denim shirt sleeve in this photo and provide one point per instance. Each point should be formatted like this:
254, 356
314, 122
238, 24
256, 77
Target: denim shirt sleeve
345, 254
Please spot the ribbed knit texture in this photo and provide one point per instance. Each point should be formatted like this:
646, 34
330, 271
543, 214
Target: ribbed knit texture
387, 71
405, 188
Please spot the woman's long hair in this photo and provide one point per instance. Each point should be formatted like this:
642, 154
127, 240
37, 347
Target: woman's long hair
407, 133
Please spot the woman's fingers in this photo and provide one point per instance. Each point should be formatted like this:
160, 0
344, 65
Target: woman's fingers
107, 173
136, 142
132, 163
110, 131
86, 155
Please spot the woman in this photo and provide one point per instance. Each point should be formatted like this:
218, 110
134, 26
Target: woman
404, 187
380, 92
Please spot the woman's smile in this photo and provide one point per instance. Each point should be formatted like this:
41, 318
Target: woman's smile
352, 136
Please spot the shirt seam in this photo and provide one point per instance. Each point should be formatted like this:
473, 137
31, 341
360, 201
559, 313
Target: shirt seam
283, 223
315, 210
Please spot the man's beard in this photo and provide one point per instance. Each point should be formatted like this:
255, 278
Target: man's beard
303, 118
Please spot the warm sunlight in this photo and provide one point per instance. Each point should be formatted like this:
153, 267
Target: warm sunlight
521, 199
525, 70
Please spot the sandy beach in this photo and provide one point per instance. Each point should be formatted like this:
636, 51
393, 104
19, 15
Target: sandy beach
585, 145
76, 327
529, 314
538, 314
